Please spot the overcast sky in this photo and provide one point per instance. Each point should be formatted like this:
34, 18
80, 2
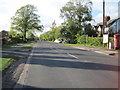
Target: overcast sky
49, 10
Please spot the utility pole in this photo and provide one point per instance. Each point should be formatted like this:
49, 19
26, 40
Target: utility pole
103, 20
103, 16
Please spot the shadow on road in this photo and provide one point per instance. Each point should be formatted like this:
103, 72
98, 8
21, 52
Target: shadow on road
58, 48
64, 62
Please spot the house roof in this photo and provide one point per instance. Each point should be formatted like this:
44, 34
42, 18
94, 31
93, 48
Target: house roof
109, 23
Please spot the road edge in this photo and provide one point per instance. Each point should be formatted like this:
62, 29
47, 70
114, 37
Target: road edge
97, 51
21, 81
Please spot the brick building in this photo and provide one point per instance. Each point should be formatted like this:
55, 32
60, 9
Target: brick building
4, 34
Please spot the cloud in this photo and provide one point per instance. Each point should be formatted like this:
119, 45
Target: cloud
49, 10
99, 18
111, 9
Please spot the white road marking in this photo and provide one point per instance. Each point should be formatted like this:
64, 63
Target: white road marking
73, 56
24, 74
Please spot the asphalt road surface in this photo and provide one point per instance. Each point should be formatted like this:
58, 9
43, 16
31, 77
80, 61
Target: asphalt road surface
59, 66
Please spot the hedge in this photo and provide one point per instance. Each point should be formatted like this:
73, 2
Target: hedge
92, 41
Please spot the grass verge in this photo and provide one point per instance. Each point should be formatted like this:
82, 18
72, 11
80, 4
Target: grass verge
84, 45
9, 46
6, 61
29, 46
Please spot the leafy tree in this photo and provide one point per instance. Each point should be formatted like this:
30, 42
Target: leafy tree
74, 13
90, 31
25, 19
58, 34
53, 34
13, 33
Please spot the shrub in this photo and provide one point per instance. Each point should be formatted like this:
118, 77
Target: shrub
92, 41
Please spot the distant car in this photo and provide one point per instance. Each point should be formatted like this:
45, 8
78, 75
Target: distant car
58, 41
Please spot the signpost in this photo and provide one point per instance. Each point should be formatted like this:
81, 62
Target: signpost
105, 38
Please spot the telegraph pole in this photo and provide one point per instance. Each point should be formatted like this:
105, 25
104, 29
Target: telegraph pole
103, 16
103, 29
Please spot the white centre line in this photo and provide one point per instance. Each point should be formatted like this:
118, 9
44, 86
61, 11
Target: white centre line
73, 56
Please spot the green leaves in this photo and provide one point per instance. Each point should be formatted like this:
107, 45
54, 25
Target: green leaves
25, 19
55, 33
74, 13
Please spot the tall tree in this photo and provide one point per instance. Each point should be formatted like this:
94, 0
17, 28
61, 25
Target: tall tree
25, 19
74, 13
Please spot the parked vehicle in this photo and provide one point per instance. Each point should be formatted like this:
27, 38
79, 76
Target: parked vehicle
58, 41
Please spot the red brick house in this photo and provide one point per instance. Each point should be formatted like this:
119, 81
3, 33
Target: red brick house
4, 34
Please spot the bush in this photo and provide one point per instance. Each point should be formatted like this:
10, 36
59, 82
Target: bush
93, 41
15, 39
111, 39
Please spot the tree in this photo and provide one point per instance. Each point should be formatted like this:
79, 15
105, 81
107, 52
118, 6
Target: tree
90, 31
74, 13
25, 19
12, 33
58, 34
53, 34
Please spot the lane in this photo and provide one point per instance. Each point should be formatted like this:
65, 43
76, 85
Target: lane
59, 66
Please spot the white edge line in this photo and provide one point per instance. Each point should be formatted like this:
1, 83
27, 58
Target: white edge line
23, 75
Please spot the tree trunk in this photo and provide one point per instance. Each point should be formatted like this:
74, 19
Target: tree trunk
24, 36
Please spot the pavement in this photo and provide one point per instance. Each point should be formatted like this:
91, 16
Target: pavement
53, 65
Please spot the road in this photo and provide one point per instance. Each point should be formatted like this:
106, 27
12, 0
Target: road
59, 66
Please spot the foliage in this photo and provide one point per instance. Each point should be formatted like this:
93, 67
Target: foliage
75, 13
111, 39
54, 33
90, 31
6, 61
92, 41
26, 19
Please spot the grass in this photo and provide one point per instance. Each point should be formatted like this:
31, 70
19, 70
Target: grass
6, 61
29, 46
9, 46
84, 45
14, 45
